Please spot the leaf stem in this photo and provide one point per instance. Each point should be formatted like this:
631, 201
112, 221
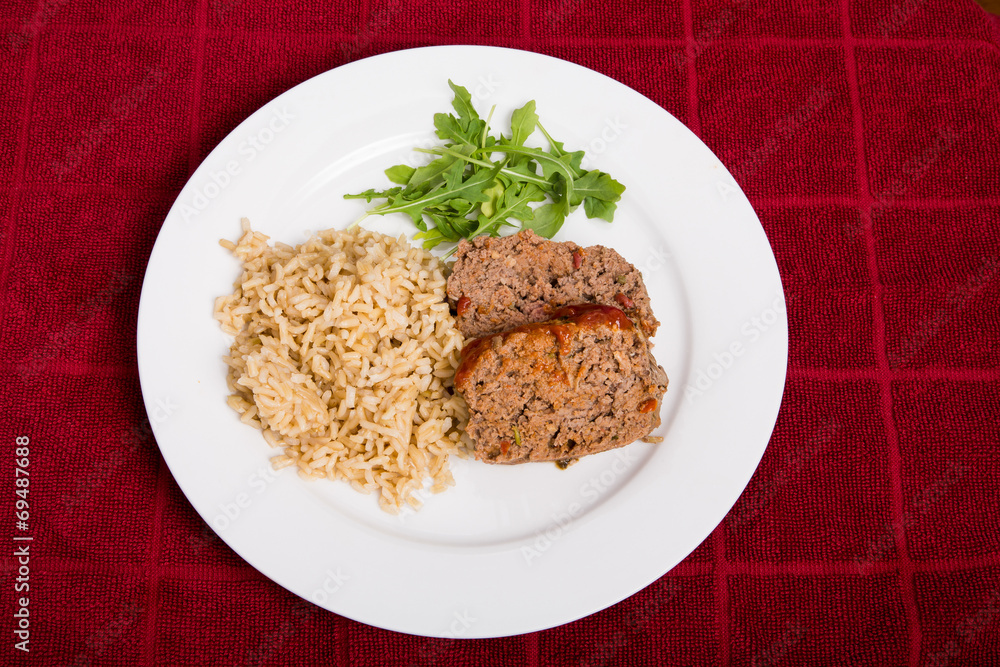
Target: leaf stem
448, 151
359, 220
486, 128
485, 163
548, 137
561, 167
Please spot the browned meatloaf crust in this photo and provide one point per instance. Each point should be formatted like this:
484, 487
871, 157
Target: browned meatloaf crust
500, 283
578, 384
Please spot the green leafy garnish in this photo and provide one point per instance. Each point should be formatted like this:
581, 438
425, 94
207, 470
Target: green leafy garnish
464, 192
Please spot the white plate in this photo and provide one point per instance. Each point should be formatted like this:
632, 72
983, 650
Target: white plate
508, 550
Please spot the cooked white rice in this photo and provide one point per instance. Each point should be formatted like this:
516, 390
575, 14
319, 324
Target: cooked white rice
344, 356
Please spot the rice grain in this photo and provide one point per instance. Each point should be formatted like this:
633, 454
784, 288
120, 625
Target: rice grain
344, 355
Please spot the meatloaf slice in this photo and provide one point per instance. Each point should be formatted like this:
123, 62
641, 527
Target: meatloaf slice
503, 282
578, 384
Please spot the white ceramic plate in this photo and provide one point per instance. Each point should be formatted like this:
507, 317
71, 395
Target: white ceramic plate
508, 550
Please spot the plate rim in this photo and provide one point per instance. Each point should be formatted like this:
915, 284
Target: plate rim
173, 214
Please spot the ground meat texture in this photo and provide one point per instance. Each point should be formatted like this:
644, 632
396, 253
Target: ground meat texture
504, 282
581, 383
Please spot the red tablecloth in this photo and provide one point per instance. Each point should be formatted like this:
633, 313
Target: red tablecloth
867, 137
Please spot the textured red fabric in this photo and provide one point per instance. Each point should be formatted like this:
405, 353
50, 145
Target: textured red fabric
867, 137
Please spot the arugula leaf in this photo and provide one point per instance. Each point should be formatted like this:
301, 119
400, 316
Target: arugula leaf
432, 171
495, 195
455, 206
464, 192
596, 208
573, 160
522, 123
463, 103
548, 219
524, 173
551, 166
370, 194
556, 148
449, 127
453, 175
597, 185
401, 173
452, 227
431, 237
513, 205
485, 139
471, 189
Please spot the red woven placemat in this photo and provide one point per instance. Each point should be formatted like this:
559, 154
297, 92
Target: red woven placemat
867, 137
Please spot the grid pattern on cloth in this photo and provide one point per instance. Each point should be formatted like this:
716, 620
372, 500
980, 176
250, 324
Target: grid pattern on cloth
866, 136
